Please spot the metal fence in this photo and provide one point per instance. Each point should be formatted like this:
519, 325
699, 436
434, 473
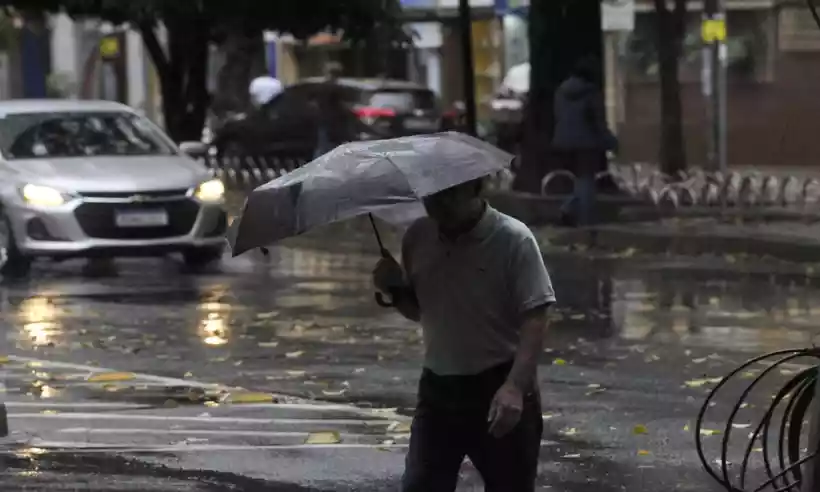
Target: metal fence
636, 184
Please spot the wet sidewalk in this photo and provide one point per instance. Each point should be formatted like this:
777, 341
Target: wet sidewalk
792, 240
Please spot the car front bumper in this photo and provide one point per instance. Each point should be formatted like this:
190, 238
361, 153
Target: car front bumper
89, 226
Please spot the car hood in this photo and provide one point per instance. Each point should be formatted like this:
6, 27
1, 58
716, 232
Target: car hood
112, 173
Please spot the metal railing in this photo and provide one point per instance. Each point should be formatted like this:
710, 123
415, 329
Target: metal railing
693, 189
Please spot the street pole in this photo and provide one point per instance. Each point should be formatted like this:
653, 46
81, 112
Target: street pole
713, 31
468, 69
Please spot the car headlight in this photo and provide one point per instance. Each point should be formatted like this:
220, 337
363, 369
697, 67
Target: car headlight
43, 196
210, 191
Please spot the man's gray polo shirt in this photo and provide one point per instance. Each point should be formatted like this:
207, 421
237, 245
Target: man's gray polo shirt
474, 291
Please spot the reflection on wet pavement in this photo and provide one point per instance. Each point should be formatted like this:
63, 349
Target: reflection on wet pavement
626, 341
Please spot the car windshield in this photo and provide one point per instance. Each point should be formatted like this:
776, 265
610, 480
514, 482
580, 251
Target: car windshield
79, 134
403, 100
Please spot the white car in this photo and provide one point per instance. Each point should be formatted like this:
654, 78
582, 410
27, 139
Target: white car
94, 178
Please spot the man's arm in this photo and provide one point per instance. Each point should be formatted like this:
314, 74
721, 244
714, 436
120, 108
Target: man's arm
524, 370
405, 302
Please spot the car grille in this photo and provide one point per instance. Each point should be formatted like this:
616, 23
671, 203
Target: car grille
98, 220
148, 195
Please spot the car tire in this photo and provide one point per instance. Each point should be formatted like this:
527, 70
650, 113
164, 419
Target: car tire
202, 257
13, 264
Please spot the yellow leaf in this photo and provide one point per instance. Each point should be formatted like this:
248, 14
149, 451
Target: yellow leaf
250, 398
111, 376
294, 355
211, 404
686, 428
559, 362
709, 432
324, 437
643, 452
640, 429
4, 359
570, 432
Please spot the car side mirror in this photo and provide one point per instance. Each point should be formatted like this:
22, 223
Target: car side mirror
194, 149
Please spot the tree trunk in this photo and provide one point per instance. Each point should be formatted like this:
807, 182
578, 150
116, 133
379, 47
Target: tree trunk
244, 53
182, 71
560, 32
671, 27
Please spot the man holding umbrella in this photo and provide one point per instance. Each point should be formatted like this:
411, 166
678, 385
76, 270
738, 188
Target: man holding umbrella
476, 281
473, 277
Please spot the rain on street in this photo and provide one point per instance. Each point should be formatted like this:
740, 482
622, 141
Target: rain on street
141, 374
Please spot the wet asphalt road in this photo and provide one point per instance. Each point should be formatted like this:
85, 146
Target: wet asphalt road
141, 376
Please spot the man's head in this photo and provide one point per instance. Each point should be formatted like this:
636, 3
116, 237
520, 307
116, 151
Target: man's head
454, 206
264, 89
588, 68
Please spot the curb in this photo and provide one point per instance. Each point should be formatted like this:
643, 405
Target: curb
690, 243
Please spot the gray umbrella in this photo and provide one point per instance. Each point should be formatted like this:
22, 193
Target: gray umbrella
385, 178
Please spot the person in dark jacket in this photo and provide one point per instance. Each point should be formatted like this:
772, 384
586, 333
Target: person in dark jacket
581, 134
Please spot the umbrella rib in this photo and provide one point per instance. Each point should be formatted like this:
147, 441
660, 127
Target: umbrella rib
409, 184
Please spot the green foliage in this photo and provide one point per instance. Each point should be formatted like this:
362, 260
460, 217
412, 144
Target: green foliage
301, 18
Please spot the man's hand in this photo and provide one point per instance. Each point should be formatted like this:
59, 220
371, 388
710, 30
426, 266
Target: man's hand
388, 275
505, 410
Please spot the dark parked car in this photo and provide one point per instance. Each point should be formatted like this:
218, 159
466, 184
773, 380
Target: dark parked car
378, 108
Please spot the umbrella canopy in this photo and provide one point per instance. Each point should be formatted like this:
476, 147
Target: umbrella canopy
386, 178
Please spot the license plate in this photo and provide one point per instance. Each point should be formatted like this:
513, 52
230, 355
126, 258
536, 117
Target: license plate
147, 218
418, 123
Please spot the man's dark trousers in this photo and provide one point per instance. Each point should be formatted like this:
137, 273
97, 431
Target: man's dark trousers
451, 423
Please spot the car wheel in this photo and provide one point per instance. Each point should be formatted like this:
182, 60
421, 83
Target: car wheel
12, 263
202, 257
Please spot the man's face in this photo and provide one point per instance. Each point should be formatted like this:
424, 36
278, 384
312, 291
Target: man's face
449, 207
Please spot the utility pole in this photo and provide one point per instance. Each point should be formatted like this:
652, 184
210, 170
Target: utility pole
713, 33
468, 69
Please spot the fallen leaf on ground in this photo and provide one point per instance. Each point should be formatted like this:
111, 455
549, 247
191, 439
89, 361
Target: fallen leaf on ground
334, 392
249, 398
559, 362
4, 360
570, 432
686, 428
643, 452
640, 429
294, 355
709, 432
399, 427
111, 376
325, 437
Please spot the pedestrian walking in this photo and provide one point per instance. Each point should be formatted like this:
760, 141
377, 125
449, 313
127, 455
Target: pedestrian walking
476, 281
581, 135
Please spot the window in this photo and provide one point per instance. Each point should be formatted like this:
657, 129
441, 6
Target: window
403, 100
79, 134
797, 30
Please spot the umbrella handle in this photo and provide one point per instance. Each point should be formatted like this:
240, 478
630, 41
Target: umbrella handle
382, 301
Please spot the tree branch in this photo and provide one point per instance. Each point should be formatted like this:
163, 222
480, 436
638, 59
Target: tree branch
154, 47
